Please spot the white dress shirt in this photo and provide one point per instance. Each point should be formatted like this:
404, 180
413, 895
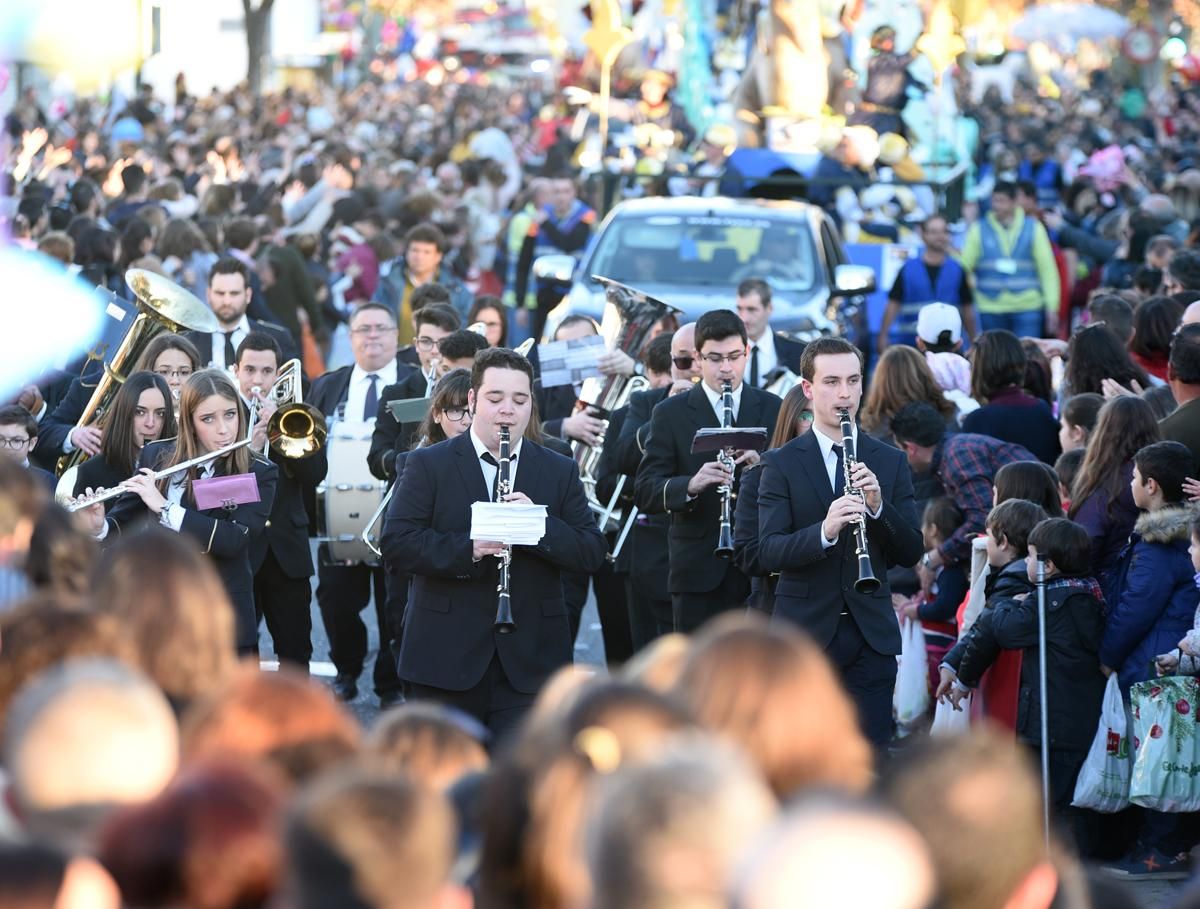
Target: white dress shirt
768, 359
490, 471
829, 456
218, 343
714, 398
356, 394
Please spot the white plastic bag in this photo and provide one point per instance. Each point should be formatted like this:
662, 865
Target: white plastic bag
1103, 783
947, 721
911, 698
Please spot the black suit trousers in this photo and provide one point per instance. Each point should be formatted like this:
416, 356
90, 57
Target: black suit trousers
691, 610
343, 591
492, 700
869, 678
284, 603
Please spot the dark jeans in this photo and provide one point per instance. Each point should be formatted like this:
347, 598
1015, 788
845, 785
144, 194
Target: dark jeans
1028, 324
284, 603
869, 677
492, 700
691, 610
343, 591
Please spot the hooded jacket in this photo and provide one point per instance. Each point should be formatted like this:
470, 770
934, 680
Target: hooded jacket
1155, 595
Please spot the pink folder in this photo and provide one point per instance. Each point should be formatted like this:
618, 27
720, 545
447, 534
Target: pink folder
226, 492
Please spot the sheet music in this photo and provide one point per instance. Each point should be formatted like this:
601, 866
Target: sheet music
512, 523
570, 362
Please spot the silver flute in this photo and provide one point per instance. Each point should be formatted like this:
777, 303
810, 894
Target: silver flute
867, 582
504, 623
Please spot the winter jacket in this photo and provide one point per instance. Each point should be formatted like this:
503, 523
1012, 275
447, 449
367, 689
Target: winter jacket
1155, 598
1074, 683
975, 650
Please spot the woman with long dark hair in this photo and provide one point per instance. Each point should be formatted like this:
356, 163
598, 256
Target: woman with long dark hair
1007, 411
142, 412
1101, 497
795, 418
1096, 354
1154, 324
211, 418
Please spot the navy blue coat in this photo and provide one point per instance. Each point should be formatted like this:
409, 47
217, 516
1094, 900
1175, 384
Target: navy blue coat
1155, 603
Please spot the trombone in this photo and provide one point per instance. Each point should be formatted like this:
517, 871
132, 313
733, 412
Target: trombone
296, 430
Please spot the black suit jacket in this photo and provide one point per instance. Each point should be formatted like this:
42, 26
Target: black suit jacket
203, 341
287, 529
329, 391
669, 464
815, 584
227, 536
449, 639
390, 436
631, 440
554, 405
58, 423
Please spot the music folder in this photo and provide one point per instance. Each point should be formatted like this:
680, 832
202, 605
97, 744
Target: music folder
739, 438
410, 410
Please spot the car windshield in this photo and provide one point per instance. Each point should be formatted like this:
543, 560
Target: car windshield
706, 249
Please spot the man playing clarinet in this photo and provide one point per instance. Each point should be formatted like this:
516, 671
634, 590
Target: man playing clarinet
807, 519
453, 650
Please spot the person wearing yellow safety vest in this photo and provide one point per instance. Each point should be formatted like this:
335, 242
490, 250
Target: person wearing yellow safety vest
1011, 261
520, 293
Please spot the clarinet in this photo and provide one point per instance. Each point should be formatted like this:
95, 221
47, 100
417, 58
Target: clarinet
724, 548
867, 582
504, 623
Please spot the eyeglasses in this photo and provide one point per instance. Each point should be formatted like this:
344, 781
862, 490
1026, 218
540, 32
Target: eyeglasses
426, 343
175, 373
14, 442
455, 414
717, 359
372, 329
683, 362
806, 416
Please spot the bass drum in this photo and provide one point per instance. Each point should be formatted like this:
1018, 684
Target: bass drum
349, 496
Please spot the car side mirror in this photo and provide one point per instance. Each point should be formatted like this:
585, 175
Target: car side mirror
852, 280
554, 268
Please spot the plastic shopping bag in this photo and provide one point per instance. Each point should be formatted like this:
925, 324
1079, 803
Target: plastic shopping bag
1166, 766
948, 721
911, 698
1103, 783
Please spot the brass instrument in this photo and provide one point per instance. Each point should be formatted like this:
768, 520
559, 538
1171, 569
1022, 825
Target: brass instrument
504, 623
296, 430
163, 306
96, 498
867, 582
629, 316
724, 548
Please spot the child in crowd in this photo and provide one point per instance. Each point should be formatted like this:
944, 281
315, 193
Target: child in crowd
937, 611
1067, 468
1008, 527
18, 436
1156, 596
1078, 419
1074, 627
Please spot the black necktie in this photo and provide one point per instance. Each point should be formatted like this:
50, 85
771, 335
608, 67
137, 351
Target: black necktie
230, 353
371, 404
839, 474
488, 458
754, 366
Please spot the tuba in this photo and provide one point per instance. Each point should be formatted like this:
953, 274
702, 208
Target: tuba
629, 315
162, 306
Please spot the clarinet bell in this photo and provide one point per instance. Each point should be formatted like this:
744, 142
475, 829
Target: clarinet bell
504, 623
724, 548
867, 582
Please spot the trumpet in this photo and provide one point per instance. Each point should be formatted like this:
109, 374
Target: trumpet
73, 505
724, 548
867, 582
504, 623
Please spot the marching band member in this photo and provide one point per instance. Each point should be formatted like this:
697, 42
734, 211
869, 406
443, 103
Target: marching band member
343, 591
172, 356
229, 297
142, 412
282, 558
210, 418
770, 352
673, 480
818, 565
451, 651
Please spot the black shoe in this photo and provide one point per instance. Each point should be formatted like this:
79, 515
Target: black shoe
345, 686
390, 699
